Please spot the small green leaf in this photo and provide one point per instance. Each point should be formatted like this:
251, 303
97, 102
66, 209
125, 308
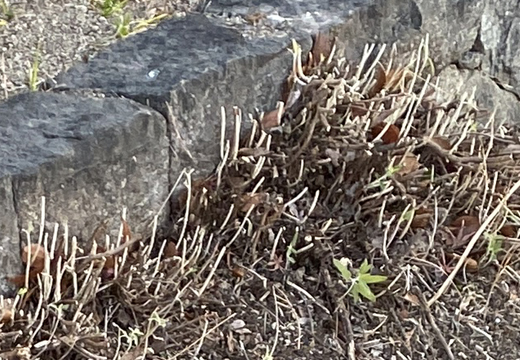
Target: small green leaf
393, 169
407, 216
355, 293
372, 279
345, 273
365, 267
364, 290
22, 291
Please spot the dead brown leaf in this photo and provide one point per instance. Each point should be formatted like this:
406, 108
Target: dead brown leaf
197, 187
321, 49
38, 256
443, 142
36, 266
421, 218
109, 266
390, 136
409, 163
271, 119
6, 310
470, 223
170, 250
463, 228
127, 234
248, 200
379, 84
471, 265
412, 298
238, 271
509, 231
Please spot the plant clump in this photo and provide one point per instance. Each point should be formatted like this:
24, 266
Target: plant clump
367, 180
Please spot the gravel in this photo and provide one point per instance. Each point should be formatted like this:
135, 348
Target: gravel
63, 32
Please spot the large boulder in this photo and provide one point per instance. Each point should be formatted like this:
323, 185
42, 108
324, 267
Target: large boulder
237, 54
488, 94
499, 41
88, 156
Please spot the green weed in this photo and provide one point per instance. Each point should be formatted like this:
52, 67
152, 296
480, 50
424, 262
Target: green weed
144, 24
6, 13
291, 250
494, 246
123, 25
111, 7
359, 284
33, 74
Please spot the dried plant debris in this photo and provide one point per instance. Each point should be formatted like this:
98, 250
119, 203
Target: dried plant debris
363, 219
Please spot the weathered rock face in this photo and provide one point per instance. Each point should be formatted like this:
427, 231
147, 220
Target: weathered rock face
225, 58
499, 41
452, 27
89, 157
488, 94
9, 234
196, 65
492, 65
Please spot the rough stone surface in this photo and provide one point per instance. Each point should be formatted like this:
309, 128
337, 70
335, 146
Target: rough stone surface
203, 67
487, 93
201, 63
64, 32
89, 157
499, 40
9, 238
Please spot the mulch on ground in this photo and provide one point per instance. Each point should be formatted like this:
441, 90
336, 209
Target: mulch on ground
368, 217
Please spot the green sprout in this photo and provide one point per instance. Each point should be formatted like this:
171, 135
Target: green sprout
22, 291
384, 181
123, 26
407, 215
494, 245
133, 336
111, 7
6, 12
359, 285
144, 24
157, 319
33, 74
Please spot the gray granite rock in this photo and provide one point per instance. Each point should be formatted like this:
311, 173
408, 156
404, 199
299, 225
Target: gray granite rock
197, 66
499, 40
202, 62
89, 157
488, 94
452, 26
9, 236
